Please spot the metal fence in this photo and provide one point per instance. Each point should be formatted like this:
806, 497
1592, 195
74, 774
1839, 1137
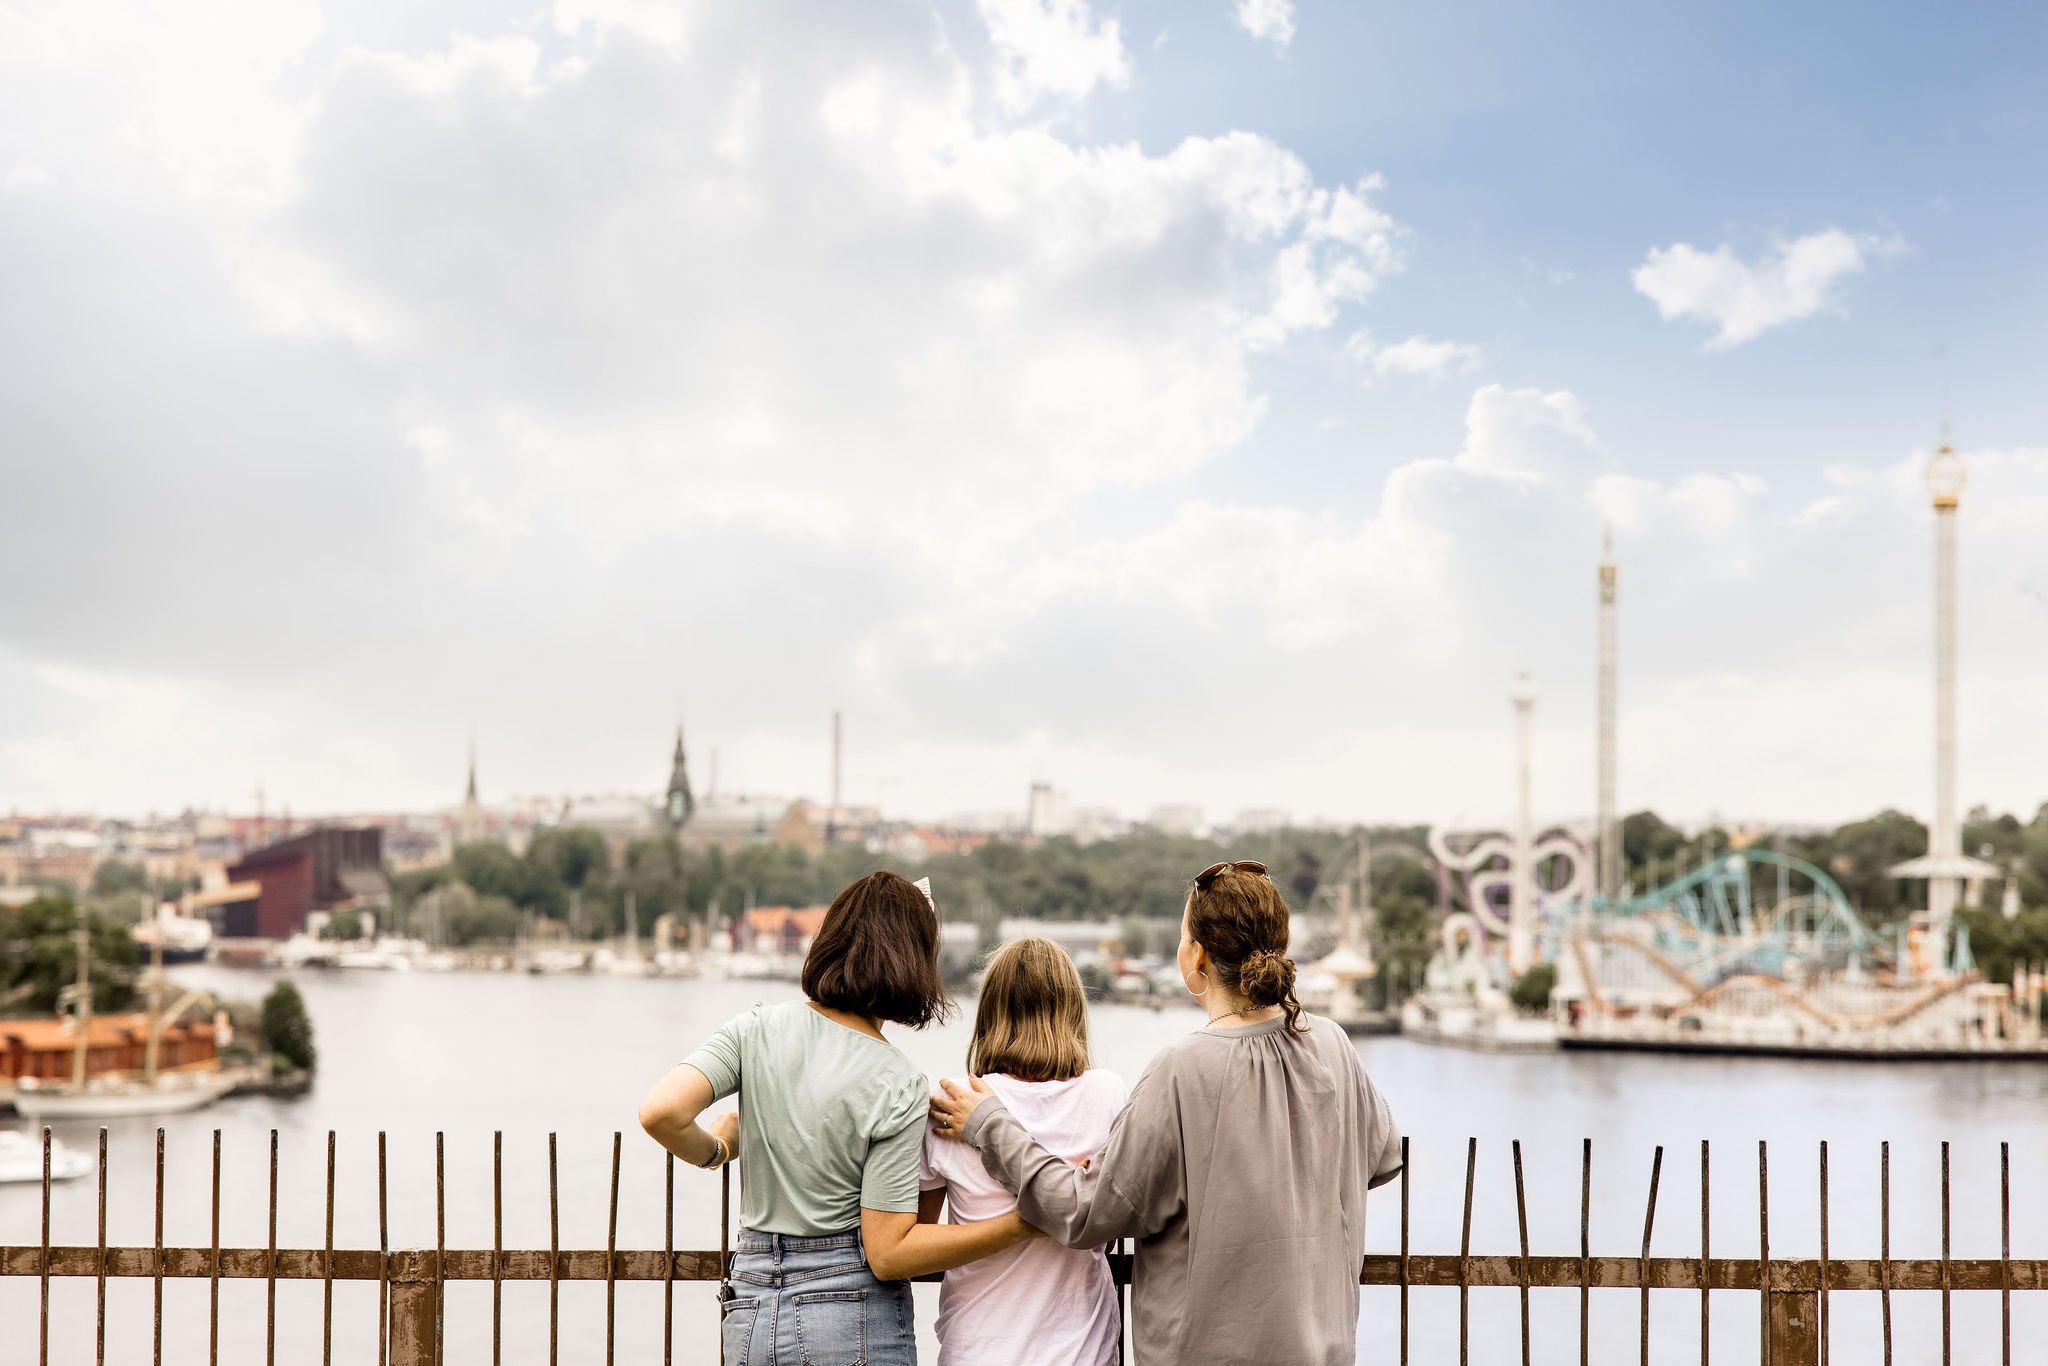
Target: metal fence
1793, 1327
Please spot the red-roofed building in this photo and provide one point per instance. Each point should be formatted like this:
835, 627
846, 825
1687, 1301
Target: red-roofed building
780, 929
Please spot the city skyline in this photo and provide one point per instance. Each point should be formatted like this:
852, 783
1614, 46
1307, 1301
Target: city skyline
1214, 404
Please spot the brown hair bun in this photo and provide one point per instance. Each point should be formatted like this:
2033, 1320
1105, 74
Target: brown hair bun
1267, 978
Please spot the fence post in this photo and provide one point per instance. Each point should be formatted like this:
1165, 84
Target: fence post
415, 1306
1795, 1328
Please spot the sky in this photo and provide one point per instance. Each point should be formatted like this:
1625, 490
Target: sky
1213, 402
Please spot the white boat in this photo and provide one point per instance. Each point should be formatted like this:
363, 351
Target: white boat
21, 1159
112, 1097
186, 939
389, 954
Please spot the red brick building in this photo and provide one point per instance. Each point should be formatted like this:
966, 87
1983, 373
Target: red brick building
114, 1043
322, 870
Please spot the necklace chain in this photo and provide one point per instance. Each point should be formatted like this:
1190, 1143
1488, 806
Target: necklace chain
1228, 1013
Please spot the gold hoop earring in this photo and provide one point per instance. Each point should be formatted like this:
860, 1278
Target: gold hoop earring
1198, 995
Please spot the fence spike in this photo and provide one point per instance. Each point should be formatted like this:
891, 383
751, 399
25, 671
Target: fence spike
497, 1244
1706, 1255
1947, 1269
1649, 1222
1465, 1257
554, 1256
668, 1262
611, 1256
1522, 1222
213, 1267
157, 1262
440, 1238
1585, 1249
1763, 1228
383, 1257
1884, 1241
43, 1342
327, 1267
1407, 1184
99, 1350
2004, 1253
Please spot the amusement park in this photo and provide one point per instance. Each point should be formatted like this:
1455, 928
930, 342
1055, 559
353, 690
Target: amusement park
1543, 943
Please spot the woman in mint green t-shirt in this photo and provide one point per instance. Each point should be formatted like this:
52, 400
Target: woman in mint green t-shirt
831, 1123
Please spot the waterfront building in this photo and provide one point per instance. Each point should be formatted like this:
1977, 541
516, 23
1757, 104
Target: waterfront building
300, 881
1047, 812
45, 1049
1178, 820
1262, 820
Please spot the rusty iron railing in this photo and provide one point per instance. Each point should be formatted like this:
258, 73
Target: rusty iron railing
1793, 1323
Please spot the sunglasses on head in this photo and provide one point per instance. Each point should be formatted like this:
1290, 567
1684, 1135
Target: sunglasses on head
1210, 874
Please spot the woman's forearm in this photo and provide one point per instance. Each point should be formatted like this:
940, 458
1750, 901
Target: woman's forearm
1073, 1205
899, 1248
669, 1115
685, 1138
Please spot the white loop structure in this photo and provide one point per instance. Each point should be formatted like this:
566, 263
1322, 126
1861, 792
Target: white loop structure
1481, 880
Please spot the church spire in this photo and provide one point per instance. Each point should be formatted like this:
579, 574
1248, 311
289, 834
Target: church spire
471, 827
681, 801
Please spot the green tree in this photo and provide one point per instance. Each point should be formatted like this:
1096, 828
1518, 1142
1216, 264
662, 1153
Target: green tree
39, 956
343, 925
572, 857
115, 877
493, 870
484, 920
1860, 856
1649, 849
1997, 943
287, 1028
1532, 989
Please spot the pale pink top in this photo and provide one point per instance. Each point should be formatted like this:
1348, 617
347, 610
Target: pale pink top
1036, 1304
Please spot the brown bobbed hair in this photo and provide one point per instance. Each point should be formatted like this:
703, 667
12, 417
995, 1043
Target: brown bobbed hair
1031, 1022
877, 954
1241, 919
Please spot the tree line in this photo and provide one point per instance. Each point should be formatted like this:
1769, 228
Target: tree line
1140, 881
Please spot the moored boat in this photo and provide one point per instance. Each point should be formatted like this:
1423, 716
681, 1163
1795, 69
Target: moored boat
115, 1097
21, 1159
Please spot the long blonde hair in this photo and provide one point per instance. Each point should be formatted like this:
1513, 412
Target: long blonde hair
1031, 1022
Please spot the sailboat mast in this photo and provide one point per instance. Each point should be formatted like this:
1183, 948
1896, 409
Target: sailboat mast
81, 1010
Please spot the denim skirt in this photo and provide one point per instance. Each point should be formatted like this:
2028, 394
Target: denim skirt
813, 1302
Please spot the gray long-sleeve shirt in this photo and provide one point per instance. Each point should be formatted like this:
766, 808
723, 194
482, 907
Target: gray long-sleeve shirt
1240, 1165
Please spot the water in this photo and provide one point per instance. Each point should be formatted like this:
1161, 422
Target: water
467, 1054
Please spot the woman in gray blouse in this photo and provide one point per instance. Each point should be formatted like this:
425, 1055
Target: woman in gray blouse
1240, 1164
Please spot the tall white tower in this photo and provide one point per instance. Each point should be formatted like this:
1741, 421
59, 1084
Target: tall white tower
1945, 476
1609, 833
1521, 891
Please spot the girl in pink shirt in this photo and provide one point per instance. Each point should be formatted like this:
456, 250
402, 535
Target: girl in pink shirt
1038, 1303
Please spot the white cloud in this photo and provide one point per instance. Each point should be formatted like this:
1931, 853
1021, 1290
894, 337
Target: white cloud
1418, 355
1052, 47
1793, 280
753, 368
1268, 20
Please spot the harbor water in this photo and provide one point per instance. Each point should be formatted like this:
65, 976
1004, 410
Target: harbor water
470, 1054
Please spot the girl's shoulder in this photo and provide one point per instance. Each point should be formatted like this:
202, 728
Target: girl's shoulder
1101, 1081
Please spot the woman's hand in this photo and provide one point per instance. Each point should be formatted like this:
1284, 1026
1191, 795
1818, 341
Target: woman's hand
727, 1128
950, 1111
